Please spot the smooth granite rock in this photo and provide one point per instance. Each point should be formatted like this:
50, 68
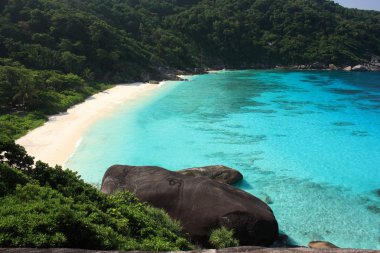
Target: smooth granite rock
199, 203
219, 173
349, 68
359, 68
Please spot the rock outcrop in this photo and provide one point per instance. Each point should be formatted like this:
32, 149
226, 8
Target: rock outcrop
372, 66
199, 203
333, 67
348, 68
219, 173
360, 68
321, 245
367, 67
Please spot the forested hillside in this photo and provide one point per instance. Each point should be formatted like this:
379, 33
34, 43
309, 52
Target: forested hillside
54, 53
122, 40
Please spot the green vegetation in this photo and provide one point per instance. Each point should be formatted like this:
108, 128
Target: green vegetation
27, 96
221, 238
42, 206
126, 40
13, 126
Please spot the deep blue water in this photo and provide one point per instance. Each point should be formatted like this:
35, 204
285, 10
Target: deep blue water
308, 141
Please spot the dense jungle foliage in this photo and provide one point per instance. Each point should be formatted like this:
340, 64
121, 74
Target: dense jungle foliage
125, 39
27, 96
41, 206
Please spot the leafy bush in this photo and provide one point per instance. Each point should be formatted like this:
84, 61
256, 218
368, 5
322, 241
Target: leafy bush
41, 217
36, 216
223, 238
41, 206
10, 178
13, 126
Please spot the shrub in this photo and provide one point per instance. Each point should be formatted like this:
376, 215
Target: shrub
10, 178
13, 126
223, 238
36, 216
41, 206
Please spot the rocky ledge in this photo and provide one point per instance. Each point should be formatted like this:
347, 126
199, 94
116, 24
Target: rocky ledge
372, 64
228, 250
365, 67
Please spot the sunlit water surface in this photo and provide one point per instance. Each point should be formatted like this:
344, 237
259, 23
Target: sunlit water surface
306, 142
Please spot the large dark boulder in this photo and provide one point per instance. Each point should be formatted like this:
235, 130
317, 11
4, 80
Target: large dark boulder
199, 203
219, 173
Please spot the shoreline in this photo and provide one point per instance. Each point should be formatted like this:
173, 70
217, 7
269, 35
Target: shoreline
363, 67
57, 139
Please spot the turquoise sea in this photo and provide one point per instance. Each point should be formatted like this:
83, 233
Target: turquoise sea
306, 142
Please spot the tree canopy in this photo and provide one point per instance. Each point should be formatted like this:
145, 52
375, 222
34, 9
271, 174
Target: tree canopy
123, 40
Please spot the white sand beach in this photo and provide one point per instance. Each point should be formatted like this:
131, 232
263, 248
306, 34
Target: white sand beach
56, 140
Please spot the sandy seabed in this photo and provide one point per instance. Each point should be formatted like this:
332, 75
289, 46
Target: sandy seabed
56, 140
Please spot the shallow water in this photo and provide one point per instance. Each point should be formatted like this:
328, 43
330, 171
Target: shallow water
307, 141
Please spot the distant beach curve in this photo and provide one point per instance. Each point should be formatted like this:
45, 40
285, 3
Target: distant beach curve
56, 140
